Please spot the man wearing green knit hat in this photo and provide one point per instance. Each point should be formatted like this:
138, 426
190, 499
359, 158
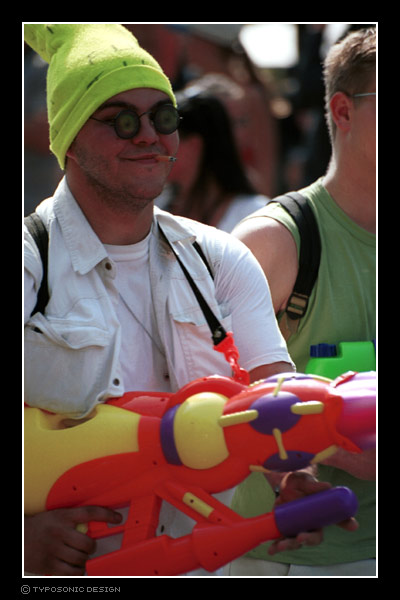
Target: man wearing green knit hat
116, 312
88, 65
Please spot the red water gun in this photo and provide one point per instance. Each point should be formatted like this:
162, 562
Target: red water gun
144, 448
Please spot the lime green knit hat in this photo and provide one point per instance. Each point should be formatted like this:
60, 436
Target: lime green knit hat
88, 64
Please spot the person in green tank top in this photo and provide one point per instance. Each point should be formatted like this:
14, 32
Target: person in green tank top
341, 309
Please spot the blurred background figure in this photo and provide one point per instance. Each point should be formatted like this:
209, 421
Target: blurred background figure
298, 103
277, 110
41, 170
208, 182
189, 51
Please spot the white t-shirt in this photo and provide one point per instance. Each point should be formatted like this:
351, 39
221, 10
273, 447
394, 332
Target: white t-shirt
240, 207
142, 358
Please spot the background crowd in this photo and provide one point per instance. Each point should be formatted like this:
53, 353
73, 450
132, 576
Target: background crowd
272, 135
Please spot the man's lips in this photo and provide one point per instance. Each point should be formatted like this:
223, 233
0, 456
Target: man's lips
150, 158
142, 158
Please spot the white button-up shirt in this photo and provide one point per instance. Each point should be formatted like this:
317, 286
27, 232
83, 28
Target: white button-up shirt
72, 353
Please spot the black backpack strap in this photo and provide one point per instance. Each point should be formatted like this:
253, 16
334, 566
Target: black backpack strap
39, 233
310, 251
200, 252
218, 332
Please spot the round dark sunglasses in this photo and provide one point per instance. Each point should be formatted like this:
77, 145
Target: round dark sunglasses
126, 123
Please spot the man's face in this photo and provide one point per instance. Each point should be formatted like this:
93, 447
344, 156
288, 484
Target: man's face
125, 169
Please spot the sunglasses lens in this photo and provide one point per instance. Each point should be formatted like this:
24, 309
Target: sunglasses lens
166, 119
127, 124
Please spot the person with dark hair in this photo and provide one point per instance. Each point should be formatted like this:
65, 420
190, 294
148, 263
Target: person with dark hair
209, 182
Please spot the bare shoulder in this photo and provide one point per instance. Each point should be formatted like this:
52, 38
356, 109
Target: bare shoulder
265, 236
275, 249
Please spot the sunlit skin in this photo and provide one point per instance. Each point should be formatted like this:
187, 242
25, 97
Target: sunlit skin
351, 177
122, 176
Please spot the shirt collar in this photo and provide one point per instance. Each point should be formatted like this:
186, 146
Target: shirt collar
177, 229
85, 248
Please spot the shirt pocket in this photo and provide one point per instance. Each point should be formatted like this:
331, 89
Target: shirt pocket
193, 346
67, 362
69, 332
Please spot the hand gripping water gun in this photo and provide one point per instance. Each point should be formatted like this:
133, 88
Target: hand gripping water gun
144, 448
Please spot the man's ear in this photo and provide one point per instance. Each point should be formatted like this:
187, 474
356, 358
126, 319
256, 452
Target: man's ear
341, 107
70, 152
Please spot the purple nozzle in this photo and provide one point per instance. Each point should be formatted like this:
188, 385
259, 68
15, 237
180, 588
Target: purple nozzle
316, 511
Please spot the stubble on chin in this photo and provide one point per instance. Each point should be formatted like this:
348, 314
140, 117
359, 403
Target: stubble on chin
122, 199
120, 196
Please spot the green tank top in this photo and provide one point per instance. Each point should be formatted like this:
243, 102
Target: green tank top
341, 309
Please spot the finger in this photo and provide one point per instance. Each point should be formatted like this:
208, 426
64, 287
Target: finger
84, 514
283, 545
298, 484
72, 556
313, 485
66, 560
310, 538
349, 524
62, 568
292, 492
80, 541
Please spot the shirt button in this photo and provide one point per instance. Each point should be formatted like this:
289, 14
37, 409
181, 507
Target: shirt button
116, 381
108, 266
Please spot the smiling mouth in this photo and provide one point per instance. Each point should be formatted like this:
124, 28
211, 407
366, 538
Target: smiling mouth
151, 158
142, 158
